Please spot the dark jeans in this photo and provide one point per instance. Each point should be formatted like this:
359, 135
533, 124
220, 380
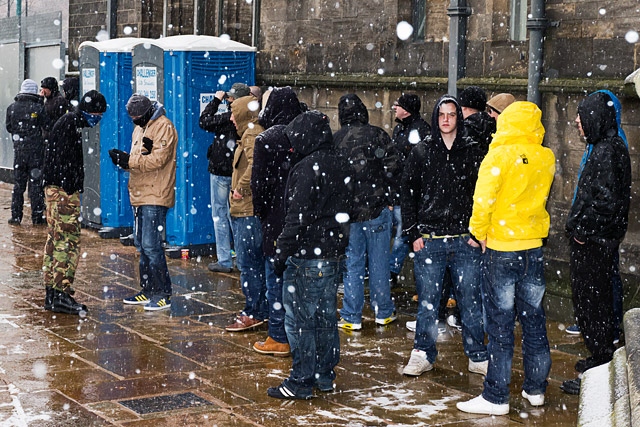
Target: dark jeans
463, 261
247, 234
27, 169
276, 309
513, 285
150, 222
310, 300
592, 268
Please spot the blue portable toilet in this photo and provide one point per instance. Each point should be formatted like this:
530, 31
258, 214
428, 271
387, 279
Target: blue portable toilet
106, 66
183, 73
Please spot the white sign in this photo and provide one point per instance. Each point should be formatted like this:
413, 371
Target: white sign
88, 79
206, 98
147, 82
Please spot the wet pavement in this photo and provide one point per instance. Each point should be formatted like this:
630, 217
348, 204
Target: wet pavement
123, 366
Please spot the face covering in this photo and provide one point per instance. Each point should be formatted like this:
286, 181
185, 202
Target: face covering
92, 119
144, 119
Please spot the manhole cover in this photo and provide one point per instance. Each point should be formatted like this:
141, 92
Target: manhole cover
149, 405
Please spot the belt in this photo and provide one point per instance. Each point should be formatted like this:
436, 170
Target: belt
448, 236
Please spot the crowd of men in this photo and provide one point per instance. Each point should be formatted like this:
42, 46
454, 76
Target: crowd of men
307, 210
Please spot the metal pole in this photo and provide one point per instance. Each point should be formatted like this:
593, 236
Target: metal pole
458, 13
165, 6
219, 16
536, 25
255, 23
18, 7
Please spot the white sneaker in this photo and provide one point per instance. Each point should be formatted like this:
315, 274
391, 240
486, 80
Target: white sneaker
453, 322
479, 367
442, 328
418, 364
478, 405
411, 325
534, 399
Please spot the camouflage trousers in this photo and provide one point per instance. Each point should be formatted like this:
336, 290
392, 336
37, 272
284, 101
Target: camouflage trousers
61, 250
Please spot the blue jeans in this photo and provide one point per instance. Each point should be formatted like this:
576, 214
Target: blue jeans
276, 309
150, 222
368, 244
463, 262
400, 247
310, 299
250, 259
220, 188
513, 285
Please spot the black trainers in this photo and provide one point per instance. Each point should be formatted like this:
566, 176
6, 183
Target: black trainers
571, 386
217, 268
39, 220
48, 298
139, 298
14, 221
64, 303
157, 303
583, 365
283, 392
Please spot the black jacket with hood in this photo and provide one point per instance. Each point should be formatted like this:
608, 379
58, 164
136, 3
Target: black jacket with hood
220, 152
406, 135
480, 127
600, 210
318, 196
56, 106
63, 159
272, 161
25, 120
372, 157
438, 183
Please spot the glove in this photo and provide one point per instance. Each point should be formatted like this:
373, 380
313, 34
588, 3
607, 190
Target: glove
147, 143
279, 266
119, 158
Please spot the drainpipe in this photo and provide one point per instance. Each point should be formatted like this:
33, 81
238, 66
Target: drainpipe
536, 24
458, 13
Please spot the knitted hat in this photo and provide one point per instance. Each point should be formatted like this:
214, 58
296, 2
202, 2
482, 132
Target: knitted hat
501, 101
50, 83
238, 90
29, 86
411, 103
70, 86
138, 105
473, 97
93, 102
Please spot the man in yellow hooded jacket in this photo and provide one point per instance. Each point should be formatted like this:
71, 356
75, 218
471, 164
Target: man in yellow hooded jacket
509, 220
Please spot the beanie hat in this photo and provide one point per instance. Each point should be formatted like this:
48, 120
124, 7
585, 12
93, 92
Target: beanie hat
501, 101
473, 97
411, 103
93, 102
238, 90
50, 83
29, 86
70, 88
138, 105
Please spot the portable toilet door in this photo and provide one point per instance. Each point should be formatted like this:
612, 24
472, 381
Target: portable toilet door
193, 69
110, 209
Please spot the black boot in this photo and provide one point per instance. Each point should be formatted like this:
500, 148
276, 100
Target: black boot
48, 298
64, 303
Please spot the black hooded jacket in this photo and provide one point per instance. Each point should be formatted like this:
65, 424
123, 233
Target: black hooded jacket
63, 159
220, 152
25, 120
55, 106
600, 210
318, 196
438, 183
406, 135
272, 161
480, 127
372, 157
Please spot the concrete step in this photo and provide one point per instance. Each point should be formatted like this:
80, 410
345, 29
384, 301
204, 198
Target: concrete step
610, 393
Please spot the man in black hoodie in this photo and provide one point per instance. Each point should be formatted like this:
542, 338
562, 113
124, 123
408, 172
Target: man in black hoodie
309, 251
437, 199
596, 225
478, 124
410, 130
272, 160
373, 166
55, 104
64, 181
25, 120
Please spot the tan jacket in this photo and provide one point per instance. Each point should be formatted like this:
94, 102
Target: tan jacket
152, 178
243, 156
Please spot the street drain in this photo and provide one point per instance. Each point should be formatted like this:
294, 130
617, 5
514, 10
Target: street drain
150, 405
